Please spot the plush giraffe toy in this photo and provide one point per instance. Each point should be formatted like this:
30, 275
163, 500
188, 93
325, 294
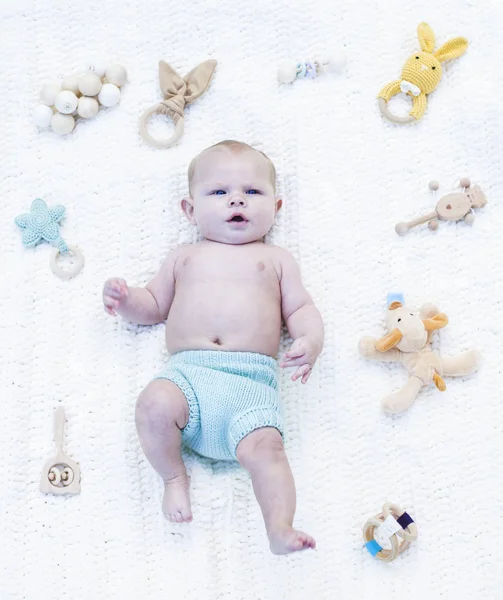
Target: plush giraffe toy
421, 74
409, 342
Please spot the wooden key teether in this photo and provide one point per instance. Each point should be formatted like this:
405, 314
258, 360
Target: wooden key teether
61, 474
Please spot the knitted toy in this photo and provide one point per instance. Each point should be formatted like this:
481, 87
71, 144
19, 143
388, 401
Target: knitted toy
455, 206
421, 74
177, 92
79, 95
42, 224
408, 341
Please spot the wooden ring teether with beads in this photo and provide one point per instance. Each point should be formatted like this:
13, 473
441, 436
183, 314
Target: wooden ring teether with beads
289, 71
42, 224
421, 74
394, 523
61, 474
177, 92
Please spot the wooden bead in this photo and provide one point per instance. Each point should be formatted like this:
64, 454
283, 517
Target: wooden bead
62, 124
66, 102
90, 84
465, 182
434, 185
116, 74
287, 72
88, 107
109, 95
71, 84
49, 92
42, 115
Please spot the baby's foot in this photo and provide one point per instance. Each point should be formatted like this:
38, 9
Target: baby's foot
176, 501
286, 540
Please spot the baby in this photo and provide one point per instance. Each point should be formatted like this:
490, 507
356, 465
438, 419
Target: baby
224, 298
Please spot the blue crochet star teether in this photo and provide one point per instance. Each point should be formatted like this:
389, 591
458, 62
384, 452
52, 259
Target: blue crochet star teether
42, 224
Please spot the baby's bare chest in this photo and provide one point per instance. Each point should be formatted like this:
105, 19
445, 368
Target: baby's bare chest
200, 269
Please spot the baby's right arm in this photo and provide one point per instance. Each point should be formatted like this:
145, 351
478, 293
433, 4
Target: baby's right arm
145, 306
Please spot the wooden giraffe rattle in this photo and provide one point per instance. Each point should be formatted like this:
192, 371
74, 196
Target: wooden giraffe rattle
421, 74
61, 474
408, 341
455, 206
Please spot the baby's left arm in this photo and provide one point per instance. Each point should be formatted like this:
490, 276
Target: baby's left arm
302, 318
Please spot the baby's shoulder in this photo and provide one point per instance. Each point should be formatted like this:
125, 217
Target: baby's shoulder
281, 258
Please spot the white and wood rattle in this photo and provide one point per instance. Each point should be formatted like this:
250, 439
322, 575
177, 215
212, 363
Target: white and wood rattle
392, 523
61, 474
79, 96
455, 206
289, 71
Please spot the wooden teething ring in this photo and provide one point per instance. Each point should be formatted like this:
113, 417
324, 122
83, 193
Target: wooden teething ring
70, 272
405, 532
159, 109
383, 105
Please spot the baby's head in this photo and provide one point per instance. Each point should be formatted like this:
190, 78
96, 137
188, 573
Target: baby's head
232, 191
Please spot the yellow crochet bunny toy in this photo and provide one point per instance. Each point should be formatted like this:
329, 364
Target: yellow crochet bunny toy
421, 74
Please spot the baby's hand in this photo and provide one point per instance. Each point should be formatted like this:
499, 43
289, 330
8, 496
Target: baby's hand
115, 293
302, 354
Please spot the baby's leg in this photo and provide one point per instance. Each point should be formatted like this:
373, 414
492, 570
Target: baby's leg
161, 412
262, 454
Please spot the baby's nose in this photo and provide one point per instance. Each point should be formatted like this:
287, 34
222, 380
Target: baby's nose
237, 201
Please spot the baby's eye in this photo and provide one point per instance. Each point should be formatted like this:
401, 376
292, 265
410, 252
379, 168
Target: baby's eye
253, 191
218, 192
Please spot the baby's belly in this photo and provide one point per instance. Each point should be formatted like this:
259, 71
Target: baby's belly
234, 320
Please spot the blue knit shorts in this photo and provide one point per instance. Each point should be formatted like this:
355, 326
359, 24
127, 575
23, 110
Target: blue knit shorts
230, 394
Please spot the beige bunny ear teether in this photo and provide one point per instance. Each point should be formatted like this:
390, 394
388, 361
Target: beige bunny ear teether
421, 74
177, 92
61, 474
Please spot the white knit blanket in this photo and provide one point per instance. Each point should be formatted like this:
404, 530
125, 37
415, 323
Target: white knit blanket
346, 177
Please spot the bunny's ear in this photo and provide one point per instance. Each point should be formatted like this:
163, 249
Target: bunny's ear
452, 49
169, 80
198, 80
426, 37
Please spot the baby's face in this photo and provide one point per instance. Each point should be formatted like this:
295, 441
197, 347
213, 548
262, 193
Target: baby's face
233, 199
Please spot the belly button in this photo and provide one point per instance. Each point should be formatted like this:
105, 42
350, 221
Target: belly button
217, 341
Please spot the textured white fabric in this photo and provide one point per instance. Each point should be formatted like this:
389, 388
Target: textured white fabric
347, 177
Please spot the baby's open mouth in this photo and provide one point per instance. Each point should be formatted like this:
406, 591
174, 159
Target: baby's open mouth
237, 219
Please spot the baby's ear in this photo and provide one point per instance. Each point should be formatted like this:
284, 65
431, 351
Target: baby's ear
452, 49
188, 208
279, 204
426, 37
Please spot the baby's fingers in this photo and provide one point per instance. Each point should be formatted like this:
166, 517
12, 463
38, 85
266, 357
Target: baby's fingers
293, 362
304, 371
